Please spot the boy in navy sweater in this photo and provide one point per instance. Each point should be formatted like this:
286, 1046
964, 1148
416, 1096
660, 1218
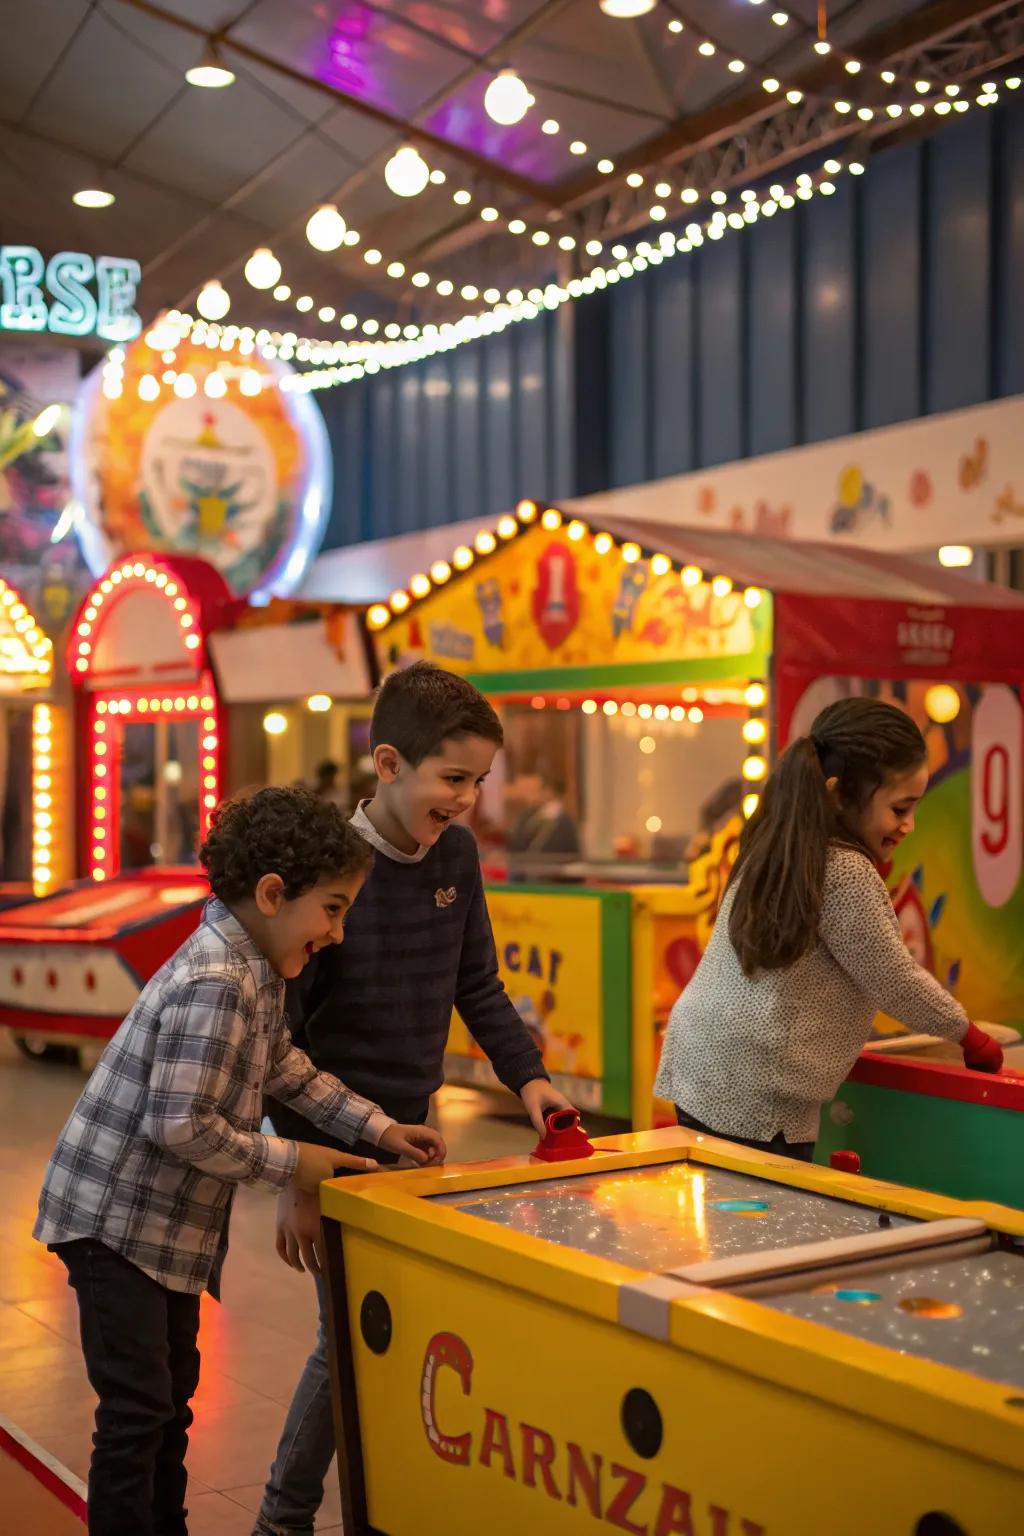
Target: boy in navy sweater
377, 1012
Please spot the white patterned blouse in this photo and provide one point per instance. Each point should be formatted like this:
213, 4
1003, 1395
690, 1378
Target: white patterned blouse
758, 1056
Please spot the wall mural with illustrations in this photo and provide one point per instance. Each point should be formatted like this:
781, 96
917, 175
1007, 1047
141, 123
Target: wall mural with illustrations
37, 554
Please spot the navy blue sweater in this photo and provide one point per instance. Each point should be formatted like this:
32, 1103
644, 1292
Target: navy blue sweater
376, 1009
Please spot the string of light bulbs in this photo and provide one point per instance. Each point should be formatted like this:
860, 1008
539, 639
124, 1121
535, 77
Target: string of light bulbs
507, 99
750, 209
344, 360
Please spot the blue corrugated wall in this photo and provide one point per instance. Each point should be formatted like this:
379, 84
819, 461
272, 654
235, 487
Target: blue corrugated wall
901, 295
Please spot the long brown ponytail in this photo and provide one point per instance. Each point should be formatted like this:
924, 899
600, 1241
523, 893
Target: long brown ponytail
781, 866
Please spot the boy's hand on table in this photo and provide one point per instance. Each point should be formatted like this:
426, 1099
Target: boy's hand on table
318, 1163
420, 1143
540, 1099
298, 1230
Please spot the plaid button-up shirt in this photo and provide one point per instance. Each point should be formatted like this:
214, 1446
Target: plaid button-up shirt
169, 1121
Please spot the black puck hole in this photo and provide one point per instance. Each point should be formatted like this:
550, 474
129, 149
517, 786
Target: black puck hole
375, 1322
641, 1422
934, 1523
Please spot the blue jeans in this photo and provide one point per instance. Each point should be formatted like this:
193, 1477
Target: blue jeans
295, 1488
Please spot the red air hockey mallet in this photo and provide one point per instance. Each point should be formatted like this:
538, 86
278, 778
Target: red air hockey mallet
845, 1161
564, 1138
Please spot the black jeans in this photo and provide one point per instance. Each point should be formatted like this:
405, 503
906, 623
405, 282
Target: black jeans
139, 1342
802, 1150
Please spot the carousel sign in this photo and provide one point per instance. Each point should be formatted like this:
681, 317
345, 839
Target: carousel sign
70, 294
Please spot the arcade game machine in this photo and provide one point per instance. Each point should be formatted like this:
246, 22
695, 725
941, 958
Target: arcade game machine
148, 752
672, 662
718, 1343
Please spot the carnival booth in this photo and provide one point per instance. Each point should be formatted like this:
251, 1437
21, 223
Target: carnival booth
35, 764
651, 670
166, 666
148, 750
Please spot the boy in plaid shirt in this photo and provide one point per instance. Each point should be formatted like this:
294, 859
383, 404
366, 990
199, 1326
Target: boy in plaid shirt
137, 1196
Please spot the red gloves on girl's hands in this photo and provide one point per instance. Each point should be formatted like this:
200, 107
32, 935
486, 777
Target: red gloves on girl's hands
981, 1052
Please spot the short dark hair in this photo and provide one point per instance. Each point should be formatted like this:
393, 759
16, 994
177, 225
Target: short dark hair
421, 707
289, 832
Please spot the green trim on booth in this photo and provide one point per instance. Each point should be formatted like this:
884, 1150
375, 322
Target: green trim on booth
969, 1151
753, 665
616, 990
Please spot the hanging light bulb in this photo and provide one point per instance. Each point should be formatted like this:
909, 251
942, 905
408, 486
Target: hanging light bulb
407, 173
506, 99
213, 301
211, 72
262, 270
326, 228
625, 10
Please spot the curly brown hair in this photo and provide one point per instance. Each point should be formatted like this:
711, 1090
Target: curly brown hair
288, 832
421, 707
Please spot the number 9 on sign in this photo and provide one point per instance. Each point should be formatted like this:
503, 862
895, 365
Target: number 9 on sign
996, 794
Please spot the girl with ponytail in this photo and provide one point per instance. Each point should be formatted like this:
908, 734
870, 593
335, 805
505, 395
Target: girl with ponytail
807, 947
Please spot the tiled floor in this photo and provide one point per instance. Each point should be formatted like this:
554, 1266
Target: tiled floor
253, 1346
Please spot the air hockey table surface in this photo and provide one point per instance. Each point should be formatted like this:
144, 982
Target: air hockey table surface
673, 1336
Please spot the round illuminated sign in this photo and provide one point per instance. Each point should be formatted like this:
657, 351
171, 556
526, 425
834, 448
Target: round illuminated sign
238, 476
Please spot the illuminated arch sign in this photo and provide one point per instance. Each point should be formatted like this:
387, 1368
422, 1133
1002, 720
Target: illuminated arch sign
70, 294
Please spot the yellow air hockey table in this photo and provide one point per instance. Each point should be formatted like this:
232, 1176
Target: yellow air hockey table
673, 1337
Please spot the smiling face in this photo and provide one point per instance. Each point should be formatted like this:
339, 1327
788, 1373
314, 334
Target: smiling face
291, 932
888, 817
413, 806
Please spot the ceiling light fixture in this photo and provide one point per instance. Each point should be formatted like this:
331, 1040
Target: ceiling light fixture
626, 10
93, 197
211, 73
